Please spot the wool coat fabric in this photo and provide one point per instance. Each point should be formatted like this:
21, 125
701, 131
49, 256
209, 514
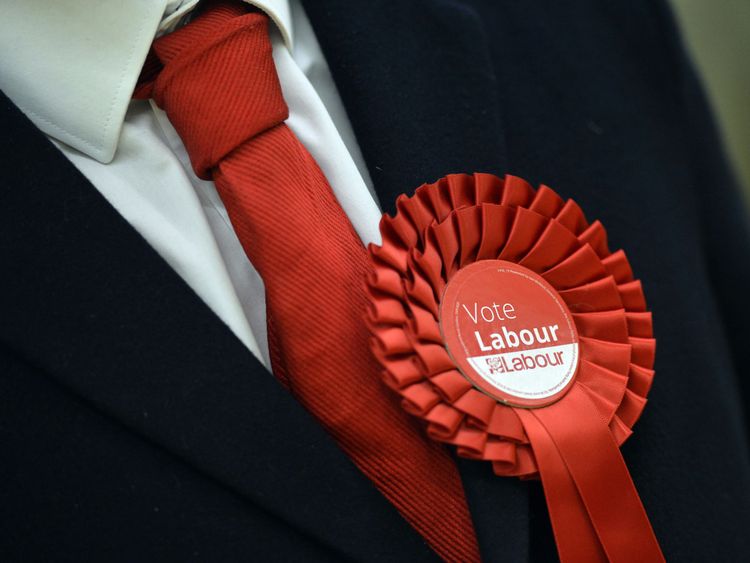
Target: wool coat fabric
135, 426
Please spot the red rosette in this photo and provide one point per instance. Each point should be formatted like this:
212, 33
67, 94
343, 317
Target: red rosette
464, 219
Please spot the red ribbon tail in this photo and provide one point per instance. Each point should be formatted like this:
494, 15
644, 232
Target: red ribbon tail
575, 536
595, 509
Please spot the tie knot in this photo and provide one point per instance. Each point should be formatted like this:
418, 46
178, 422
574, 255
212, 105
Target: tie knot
218, 84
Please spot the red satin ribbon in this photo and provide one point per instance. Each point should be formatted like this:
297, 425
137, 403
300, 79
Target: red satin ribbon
593, 518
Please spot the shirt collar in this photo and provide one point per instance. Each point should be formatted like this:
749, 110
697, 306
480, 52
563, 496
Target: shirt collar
71, 65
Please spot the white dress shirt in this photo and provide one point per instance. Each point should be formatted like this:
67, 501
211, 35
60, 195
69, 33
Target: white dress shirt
71, 66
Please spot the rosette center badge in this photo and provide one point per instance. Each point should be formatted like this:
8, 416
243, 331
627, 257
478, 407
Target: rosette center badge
510, 333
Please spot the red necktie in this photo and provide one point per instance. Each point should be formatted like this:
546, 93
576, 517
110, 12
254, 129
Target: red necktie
220, 90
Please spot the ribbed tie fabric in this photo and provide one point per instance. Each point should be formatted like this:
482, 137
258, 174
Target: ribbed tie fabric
216, 79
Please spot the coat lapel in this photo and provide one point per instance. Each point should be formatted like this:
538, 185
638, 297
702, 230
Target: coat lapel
85, 299
421, 92
418, 86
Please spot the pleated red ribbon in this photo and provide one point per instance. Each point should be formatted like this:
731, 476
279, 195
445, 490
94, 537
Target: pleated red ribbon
572, 442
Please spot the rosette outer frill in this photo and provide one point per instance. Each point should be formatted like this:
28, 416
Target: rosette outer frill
571, 443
